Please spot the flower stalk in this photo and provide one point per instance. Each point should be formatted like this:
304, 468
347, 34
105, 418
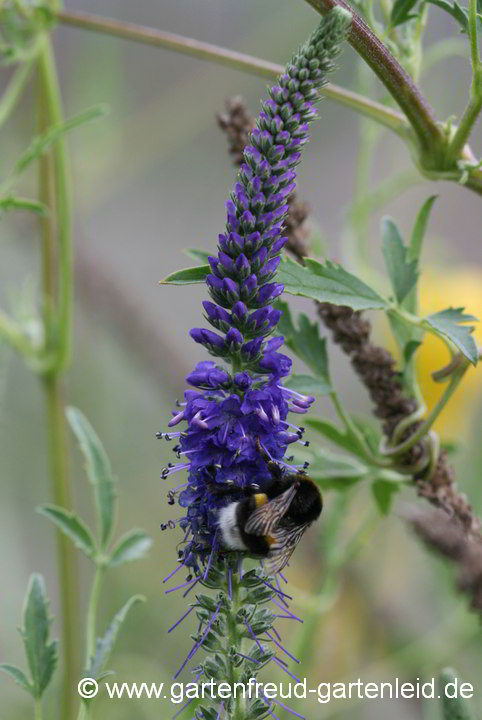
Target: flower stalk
237, 419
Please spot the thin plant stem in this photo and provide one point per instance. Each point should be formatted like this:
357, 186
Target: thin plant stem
388, 117
355, 433
92, 613
38, 709
14, 90
56, 226
472, 111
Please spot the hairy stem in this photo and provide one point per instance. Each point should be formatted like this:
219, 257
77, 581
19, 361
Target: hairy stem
397, 81
52, 191
388, 117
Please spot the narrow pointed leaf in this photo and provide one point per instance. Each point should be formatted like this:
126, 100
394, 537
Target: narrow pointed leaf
419, 229
309, 385
448, 323
401, 11
201, 256
328, 282
131, 546
188, 276
18, 676
13, 202
331, 432
42, 143
403, 273
106, 643
98, 471
41, 654
72, 526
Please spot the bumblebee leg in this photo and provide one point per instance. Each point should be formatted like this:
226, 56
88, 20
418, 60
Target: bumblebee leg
272, 466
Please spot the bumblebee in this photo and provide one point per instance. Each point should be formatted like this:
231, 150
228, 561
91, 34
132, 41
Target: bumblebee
270, 524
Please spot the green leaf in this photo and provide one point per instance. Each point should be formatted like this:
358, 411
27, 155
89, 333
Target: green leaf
419, 229
454, 707
401, 11
384, 492
17, 675
199, 255
308, 385
447, 324
459, 13
306, 343
98, 471
131, 546
41, 655
328, 282
188, 276
332, 470
12, 202
403, 273
72, 526
42, 143
105, 644
332, 432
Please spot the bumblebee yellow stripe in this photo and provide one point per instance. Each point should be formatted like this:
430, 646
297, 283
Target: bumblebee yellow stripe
260, 499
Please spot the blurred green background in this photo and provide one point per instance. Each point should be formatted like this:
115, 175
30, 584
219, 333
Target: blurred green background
150, 179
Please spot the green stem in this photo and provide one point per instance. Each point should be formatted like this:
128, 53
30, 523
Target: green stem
472, 111
355, 434
66, 558
38, 709
234, 640
52, 190
388, 117
92, 613
433, 415
60, 179
14, 90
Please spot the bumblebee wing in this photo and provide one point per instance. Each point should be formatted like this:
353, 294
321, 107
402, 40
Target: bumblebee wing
286, 537
266, 517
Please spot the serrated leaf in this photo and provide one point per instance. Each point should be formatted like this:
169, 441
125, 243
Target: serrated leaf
41, 654
98, 471
105, 644
18, 676
419, 228
447, 323
401, 11
308, 385
403, 273
201, 256
459, 13
330, 431
306, 343
131, 546
328, 282
188, 276
13, 202
384, 492
455, 707
72, 526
